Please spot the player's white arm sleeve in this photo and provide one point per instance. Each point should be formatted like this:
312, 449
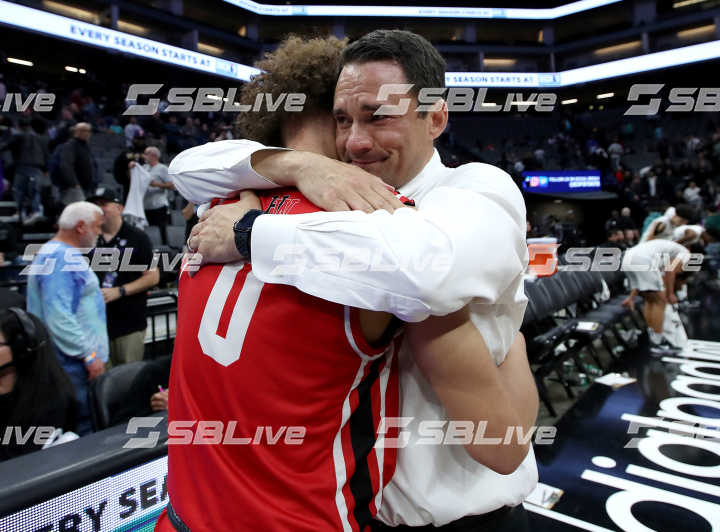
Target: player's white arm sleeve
456, 246
217, 170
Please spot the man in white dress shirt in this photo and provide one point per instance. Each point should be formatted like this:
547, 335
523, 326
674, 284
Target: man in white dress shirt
472, 217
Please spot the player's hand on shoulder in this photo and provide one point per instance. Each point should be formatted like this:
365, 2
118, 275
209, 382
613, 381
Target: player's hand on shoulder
213, 237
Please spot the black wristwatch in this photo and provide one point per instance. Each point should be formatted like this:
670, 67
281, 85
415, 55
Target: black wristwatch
243, 229
123, 292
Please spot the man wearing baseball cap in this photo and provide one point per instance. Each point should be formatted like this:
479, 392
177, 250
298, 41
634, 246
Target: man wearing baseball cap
125, 292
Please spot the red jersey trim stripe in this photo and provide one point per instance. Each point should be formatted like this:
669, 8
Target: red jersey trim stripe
339, 453
355, 337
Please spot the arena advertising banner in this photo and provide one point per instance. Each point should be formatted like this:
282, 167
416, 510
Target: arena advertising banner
562, 182
647, 454
420, 11
85, 33
128, 501
611, 69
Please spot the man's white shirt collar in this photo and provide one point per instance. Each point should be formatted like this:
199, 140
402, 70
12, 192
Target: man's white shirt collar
426, 179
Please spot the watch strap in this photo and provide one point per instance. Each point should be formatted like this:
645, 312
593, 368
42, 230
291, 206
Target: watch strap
243, 230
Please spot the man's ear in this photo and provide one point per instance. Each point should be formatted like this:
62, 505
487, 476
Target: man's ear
438, 118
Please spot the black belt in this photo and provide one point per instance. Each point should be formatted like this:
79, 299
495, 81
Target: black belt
178, 523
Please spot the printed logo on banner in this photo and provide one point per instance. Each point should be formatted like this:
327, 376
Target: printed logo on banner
549, 80
226, 68
131, 500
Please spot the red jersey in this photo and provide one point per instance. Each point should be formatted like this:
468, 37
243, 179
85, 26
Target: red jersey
257, 364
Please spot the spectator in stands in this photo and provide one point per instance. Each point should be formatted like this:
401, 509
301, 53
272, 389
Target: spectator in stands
65, 294
627, 224
31, 162
9, 246
132, 129
77, 166
125, 292
615, 151
613, 221
61, 132
691, 194
642, 265
615, 237
159, 400
662, 227
712, 248
157, 206
172, 132
121, 172
34, 389
655, 187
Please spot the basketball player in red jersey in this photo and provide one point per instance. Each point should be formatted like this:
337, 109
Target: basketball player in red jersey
251, 357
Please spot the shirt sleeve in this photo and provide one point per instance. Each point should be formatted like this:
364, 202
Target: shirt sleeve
464, 241
217, 170
60, 299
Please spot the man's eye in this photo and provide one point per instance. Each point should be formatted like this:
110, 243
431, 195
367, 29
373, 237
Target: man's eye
341, 120
375, 118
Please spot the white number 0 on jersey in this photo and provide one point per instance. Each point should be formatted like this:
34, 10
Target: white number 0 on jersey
227, 350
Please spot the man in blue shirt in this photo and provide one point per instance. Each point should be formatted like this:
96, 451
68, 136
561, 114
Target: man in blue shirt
65, 294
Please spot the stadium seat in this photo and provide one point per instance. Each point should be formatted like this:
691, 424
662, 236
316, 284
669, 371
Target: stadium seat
109, 393
153, 232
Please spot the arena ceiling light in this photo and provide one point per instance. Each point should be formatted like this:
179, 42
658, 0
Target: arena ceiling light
71, 69
17, 61
210, 49
499, 62
685, 3
123, 25
420, 11
81, 14
605, 95
568, 102
618, 48
694, 32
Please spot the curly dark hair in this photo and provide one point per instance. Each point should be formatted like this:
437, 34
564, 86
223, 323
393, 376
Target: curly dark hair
308, 66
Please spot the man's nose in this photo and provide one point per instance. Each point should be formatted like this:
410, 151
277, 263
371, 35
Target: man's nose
358, 141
